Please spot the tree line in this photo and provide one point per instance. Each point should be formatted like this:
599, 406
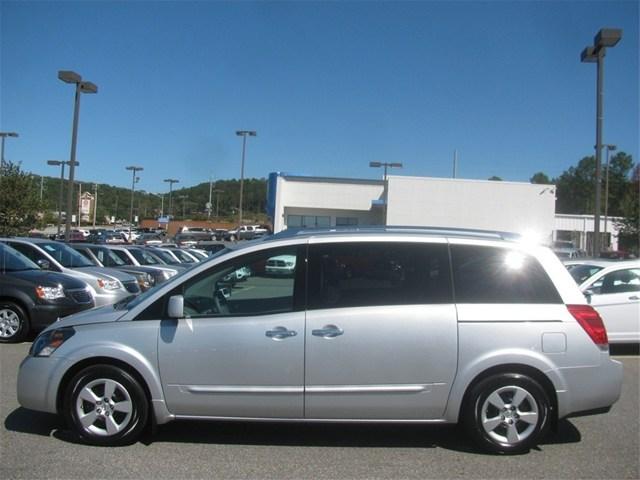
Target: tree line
620, 192
115, 202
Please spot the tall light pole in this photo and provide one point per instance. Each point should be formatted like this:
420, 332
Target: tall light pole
244, 134
61, 164
81, 87
606, 37
4, 135
161, 195
133, 169
386, 184
610, 148
218, 192
95, 203
184, 199
171, 181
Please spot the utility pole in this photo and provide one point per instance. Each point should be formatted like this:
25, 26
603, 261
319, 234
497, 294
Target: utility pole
95, 203
79, 204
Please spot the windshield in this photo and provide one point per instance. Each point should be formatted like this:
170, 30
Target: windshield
183, 256
13, 261
166, 257
580, 273
107, 257
144, 257
65, 255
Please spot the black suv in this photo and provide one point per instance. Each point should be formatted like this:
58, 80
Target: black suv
31, 298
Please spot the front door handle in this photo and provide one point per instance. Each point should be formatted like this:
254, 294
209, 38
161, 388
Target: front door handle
280, 333
328, 331
635, 297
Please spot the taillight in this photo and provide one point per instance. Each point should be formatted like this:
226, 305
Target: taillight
590, 320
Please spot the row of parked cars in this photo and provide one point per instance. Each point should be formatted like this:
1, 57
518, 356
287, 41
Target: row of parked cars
41, 279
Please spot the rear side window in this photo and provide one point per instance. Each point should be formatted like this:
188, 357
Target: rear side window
499, 275
374, 274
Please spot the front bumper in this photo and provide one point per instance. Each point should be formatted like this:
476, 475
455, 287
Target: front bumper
38, 382
44, 315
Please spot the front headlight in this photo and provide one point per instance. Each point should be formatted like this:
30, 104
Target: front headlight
108, 284
49, 293
146, 281
167, 274
49, 341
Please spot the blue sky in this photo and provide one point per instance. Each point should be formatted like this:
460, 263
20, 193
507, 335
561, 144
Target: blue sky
328, 86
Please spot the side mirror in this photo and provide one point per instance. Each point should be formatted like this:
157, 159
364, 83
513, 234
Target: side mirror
176, 306
588, 293
44, 264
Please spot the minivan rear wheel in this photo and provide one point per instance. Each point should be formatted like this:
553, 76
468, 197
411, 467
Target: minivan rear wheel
105, 405
507, 413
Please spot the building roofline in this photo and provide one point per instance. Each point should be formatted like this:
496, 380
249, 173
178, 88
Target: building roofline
394, 229
310, 178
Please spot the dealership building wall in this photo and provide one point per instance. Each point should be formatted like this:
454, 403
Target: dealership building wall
298, 201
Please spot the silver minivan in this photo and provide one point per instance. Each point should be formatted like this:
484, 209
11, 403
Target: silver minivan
379, 325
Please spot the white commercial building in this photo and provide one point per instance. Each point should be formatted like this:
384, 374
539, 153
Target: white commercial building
529, 209
298, 201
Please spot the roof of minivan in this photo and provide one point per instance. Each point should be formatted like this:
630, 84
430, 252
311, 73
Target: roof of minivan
368, 230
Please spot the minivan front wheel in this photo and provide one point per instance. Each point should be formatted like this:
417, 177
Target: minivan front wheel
507, 413
14, 323
105, 405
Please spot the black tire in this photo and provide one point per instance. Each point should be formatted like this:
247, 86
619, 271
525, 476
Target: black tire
14, 323
507, 413
108, 420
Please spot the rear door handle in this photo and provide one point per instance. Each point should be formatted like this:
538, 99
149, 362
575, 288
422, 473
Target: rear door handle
328, 331
280, 333
635, 297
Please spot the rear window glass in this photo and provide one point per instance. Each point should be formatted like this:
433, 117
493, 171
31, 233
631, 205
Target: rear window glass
499, 275
374, 274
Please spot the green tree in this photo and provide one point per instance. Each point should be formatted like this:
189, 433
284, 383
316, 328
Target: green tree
630, 204
495, 179
19, 200
576, 188
540, 178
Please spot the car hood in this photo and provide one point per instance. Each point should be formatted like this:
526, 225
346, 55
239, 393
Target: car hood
104, 272
103, 314
49, 279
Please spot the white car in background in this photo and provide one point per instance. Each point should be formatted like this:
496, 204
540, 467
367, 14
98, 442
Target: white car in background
281, 265
613, 288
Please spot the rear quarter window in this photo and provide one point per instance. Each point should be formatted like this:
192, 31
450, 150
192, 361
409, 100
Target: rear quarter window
376, 274
499, 275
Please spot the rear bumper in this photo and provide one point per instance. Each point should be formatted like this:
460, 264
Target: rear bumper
590, 390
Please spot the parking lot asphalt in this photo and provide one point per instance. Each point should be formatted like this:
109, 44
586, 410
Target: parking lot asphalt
37, 445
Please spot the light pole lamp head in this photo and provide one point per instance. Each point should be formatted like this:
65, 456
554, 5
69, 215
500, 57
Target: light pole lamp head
244, 133
8, 134
68, 76
134, 168
607, 37
88, 87
55, 162
589, 55
375, 164
395, 165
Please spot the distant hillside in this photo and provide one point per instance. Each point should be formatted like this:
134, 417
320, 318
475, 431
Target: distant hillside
116, 201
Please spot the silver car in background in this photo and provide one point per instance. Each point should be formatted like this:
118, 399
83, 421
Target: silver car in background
372, 325
107, 285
